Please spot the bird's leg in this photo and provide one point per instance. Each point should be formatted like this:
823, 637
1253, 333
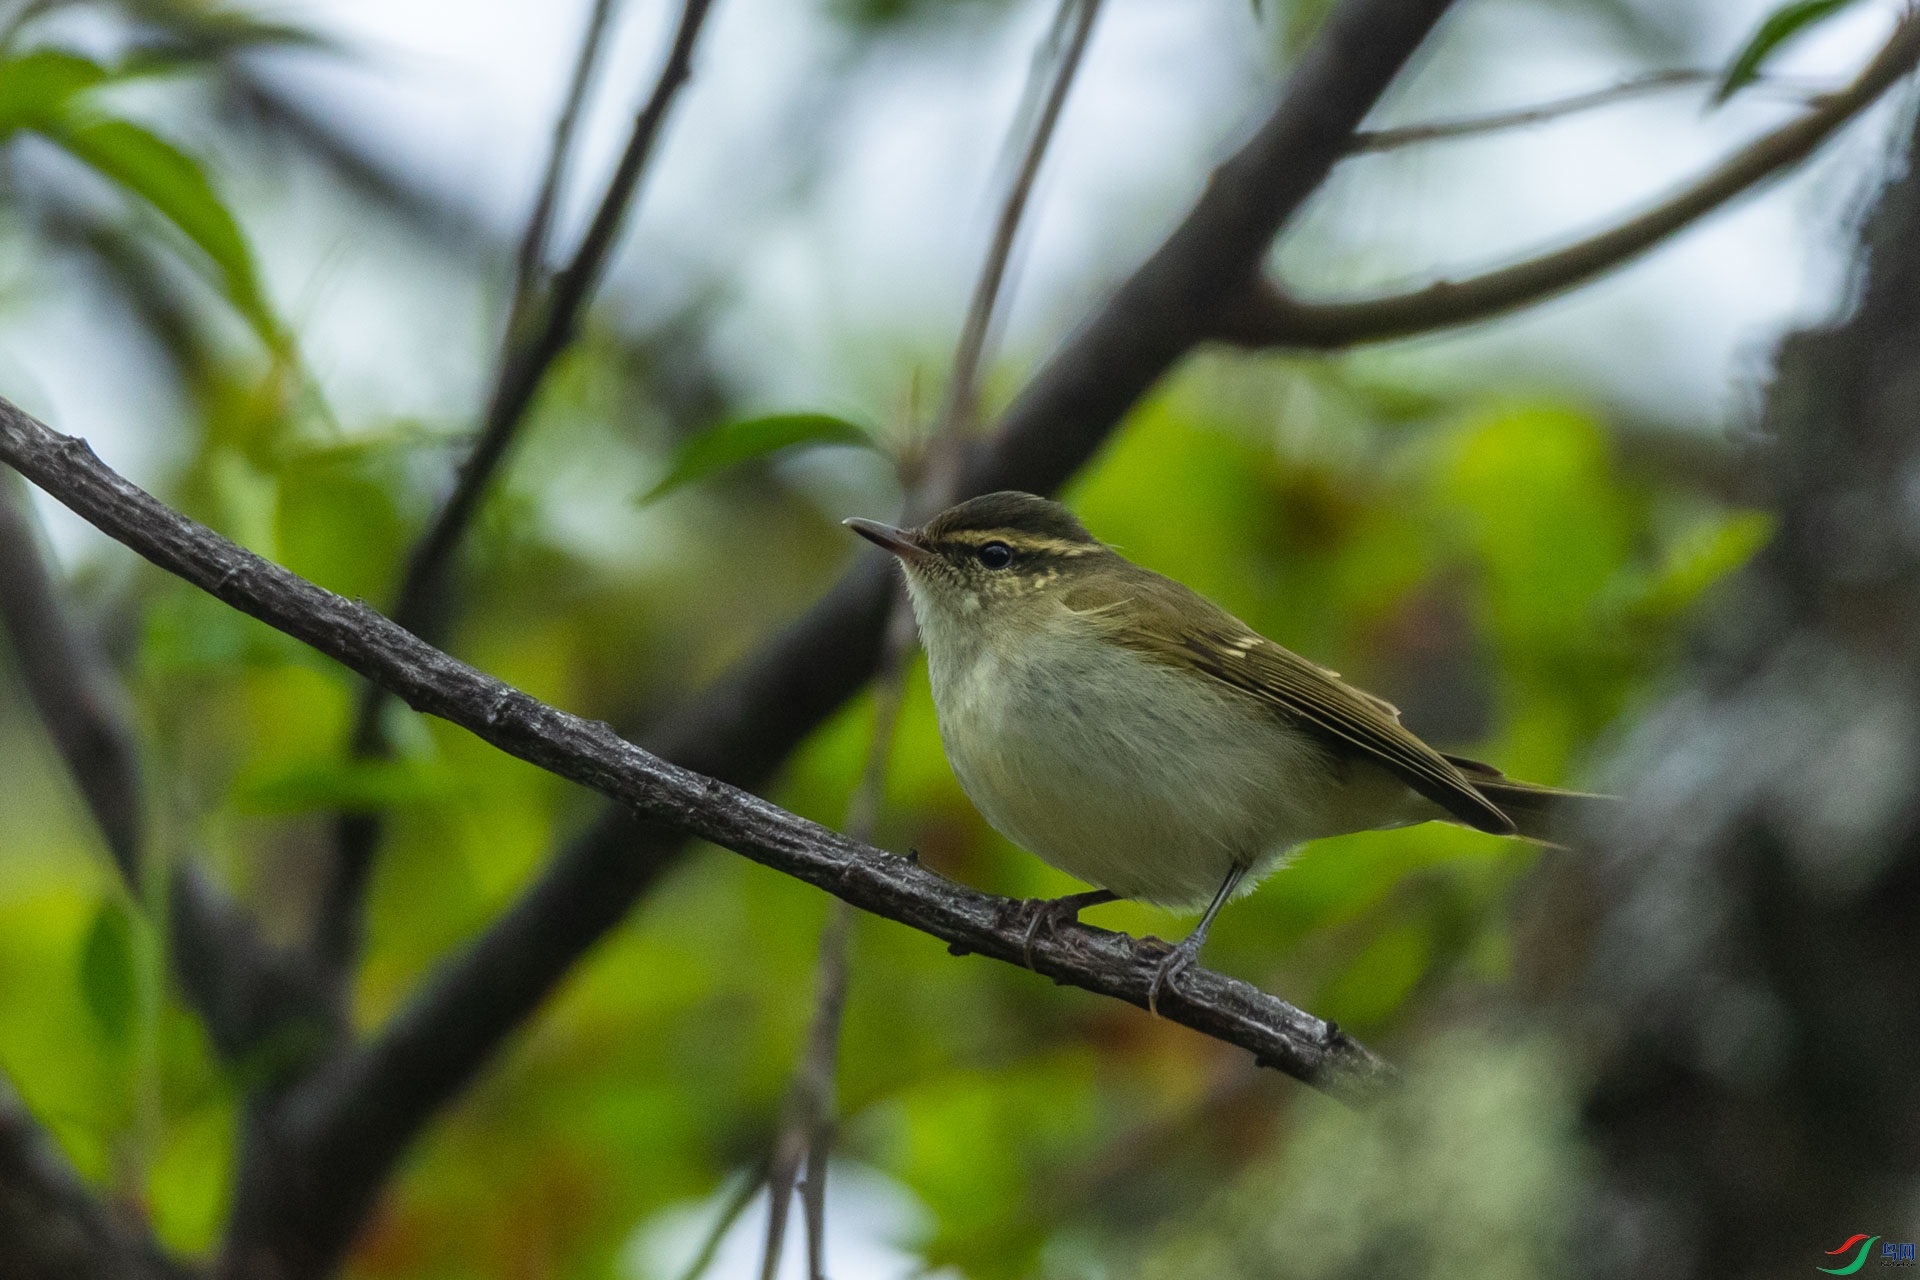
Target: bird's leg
1183, 955
1049, 914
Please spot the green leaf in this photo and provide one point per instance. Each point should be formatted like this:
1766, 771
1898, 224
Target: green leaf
107, 979
171, 181
39, 90
36, 87
735, 442
352, 786
1780, 26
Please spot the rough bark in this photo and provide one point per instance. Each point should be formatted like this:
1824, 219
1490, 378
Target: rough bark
337, 1133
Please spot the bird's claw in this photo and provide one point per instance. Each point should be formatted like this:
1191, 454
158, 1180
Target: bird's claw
1172, 961
1043, 915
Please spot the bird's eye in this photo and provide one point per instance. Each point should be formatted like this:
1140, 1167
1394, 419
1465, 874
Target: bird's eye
996, 555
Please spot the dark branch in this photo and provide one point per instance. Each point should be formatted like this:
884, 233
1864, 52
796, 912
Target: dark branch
1071, 30
1172, 303
1265, 316
352, 1117
84, 709
52, 1227
542, 319
809, 1119
529, 357
744, 726
530, 263
267, 1008
244, 989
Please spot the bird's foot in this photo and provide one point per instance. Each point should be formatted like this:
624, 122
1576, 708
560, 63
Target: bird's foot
1044, 915
1173, 960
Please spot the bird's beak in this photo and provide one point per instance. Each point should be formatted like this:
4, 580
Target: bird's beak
899, 541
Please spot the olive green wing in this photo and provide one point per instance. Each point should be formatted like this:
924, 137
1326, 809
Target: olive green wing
1164, 620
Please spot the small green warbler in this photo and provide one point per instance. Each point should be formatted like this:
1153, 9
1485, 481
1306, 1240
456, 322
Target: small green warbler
1140, 738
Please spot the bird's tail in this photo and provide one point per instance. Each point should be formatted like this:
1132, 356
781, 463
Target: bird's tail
1543, 815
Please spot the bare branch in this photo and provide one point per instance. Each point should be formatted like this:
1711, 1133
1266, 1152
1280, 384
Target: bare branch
741, 728
52, 1227
809, 1117
1654, 82
964, 385
530, 263
266, 1007
529, 358
807, 1121
541, 322
340, 1129
1265, 316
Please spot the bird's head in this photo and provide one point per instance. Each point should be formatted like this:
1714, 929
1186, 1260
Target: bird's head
1000, 556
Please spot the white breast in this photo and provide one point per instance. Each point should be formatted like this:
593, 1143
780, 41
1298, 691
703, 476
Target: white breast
1124, 772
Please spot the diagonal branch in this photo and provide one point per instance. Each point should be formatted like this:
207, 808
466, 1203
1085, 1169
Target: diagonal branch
1171, 303
354, 1115
527, 362
808, 1120
530, 262
542, 319
1266, 316
741, 728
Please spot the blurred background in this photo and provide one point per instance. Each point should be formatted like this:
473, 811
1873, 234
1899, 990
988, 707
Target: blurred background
1507, 531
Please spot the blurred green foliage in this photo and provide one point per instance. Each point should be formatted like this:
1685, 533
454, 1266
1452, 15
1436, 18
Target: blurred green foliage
732, 443
52, 93
1484, 560
1485, 535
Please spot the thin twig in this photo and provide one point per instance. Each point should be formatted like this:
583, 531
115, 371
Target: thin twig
750, 1183
963, 387
1266, 316
339, 1148
360, 1118
523, 368
542, 320
1654, 82
809, 1115
530, 262
807, 1118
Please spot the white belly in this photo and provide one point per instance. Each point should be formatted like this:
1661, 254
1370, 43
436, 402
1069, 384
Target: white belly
1135, 777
